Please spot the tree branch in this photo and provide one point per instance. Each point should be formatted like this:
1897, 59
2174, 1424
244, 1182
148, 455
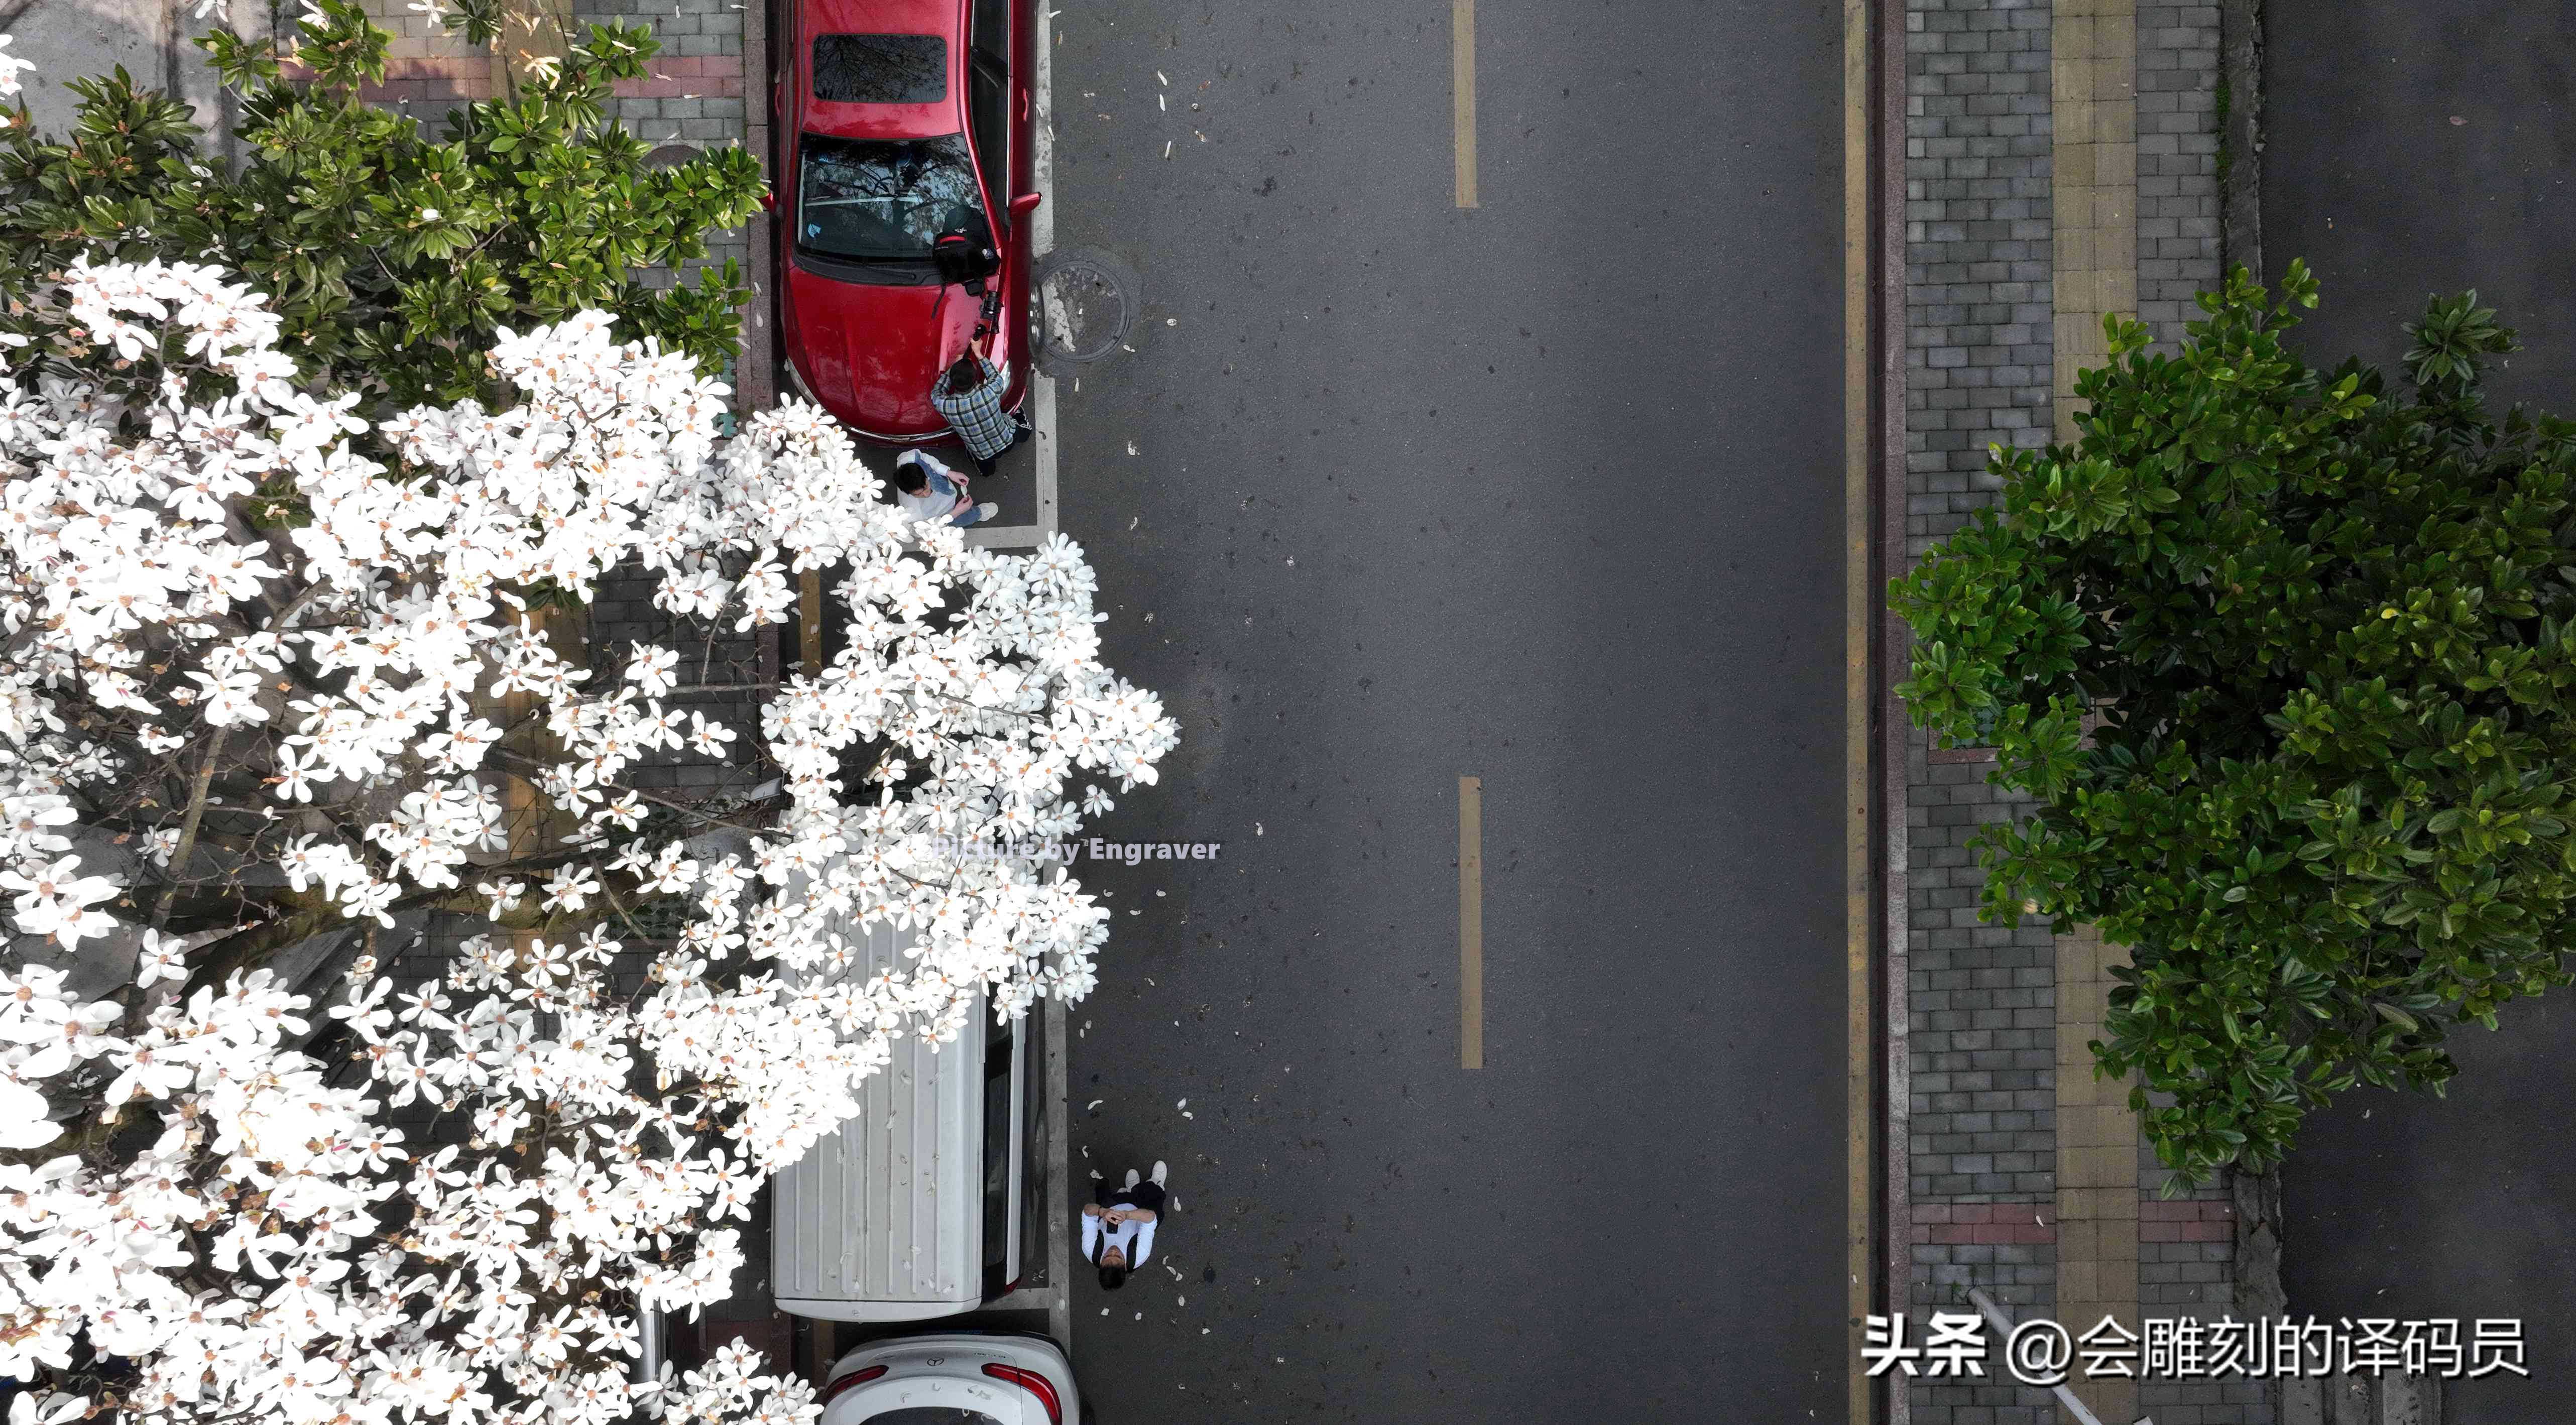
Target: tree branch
296, 605
247, 949
188, 827
531, 765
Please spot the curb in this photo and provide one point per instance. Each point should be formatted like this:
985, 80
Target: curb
1877, 1169
1894, 659
2256, 1270
2240, 136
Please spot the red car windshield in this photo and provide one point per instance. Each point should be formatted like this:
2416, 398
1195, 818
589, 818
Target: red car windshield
881, 200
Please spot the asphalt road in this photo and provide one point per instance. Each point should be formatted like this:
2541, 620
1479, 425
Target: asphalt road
2397, 1205
1546, 493
2421, 148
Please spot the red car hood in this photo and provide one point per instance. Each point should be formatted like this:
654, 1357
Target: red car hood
870, 353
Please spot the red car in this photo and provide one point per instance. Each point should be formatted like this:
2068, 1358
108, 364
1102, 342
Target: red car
903, 123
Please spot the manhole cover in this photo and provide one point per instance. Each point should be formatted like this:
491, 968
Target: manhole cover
1086, 306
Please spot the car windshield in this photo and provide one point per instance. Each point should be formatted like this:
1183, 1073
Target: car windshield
878, 200
933, 1415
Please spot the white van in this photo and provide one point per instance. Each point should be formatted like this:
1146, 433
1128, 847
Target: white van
928, 1203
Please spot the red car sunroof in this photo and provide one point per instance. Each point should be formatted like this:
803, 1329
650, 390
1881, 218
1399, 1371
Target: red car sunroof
880, 69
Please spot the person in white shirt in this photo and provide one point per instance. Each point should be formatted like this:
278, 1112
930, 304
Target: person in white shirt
929, 491
1118, 1230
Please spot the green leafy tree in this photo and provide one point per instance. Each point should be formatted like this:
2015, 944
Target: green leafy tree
394, 257
2285, 659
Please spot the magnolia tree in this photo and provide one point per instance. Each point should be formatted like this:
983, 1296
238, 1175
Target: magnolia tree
218, 738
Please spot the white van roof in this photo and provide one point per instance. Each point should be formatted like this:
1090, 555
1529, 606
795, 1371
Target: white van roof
883, 1219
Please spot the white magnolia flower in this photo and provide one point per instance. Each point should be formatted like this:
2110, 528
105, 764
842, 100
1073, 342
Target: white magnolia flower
57, 900
570, 888
294, 776
162, 959
22, 1117
256, 1241
10, 66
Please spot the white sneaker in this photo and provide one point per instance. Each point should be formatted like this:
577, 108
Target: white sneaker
1131, 1177
986, 511
1159, 1170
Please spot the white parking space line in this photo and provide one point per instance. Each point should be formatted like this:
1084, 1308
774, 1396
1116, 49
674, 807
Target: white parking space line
1059, 1050
1041, 242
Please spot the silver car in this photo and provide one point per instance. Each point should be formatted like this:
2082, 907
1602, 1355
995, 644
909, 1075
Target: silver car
955, 1379
929, 1203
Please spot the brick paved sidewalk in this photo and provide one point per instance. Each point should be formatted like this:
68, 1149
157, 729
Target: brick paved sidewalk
2061, 160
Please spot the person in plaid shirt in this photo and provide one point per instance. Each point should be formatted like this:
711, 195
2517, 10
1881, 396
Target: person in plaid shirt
969, 395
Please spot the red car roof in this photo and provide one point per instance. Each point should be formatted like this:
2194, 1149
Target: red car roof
945, 18
887, 17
